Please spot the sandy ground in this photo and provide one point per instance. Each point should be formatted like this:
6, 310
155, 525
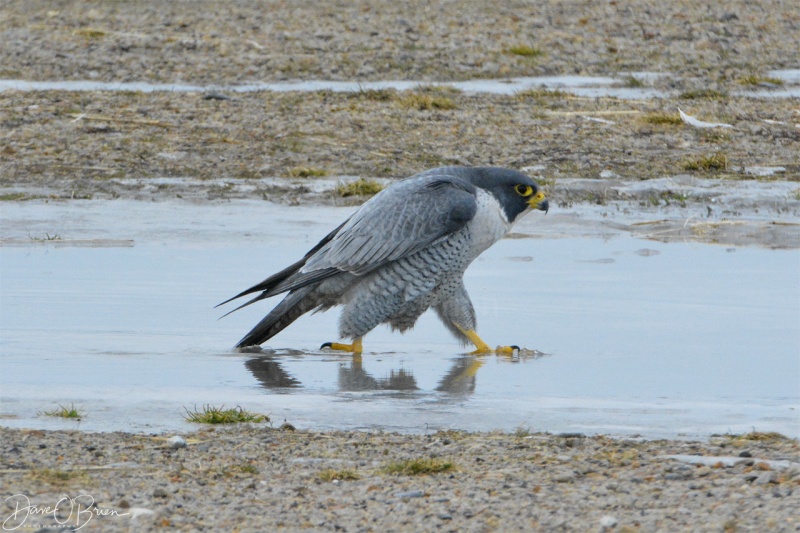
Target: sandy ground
203, 42
103, 145
263, 479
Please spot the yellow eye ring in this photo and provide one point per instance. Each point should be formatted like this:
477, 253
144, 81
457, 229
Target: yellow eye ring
524, 190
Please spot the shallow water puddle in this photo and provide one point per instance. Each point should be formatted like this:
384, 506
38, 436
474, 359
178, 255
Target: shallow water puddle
584, 86
115, 314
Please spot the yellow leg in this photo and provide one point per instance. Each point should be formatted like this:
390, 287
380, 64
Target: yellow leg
483, 348
480, 346
355, 348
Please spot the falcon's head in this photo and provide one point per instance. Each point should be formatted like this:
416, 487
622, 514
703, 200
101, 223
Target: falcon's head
516, 192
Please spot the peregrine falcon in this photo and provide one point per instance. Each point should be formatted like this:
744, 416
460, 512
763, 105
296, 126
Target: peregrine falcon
402, 252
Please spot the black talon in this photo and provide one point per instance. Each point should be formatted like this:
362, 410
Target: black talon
326, 345
515, 347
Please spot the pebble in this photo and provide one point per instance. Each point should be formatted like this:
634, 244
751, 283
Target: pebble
411, 494
766, 478
139, 512
176, 442
565, 477
608, 521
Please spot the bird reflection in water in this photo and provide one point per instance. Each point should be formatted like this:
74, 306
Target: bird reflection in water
460, 379
353, 377
270, 373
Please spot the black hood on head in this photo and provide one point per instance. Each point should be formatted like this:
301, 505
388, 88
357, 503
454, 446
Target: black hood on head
501, 182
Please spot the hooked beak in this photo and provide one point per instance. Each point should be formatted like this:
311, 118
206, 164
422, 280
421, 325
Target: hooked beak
538, 201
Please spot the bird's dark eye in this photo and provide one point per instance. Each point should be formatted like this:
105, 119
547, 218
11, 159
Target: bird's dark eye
524, 190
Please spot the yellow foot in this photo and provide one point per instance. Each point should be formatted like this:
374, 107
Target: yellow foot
507, 350
353, 348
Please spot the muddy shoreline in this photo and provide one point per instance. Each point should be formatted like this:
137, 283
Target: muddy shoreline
112, 144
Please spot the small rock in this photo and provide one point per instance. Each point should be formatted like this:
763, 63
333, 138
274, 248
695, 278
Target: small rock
608, 521
457, 160
411, 494
567, 477
745, 454
140, 512
176, 442
766, 478
678, 476
703, 471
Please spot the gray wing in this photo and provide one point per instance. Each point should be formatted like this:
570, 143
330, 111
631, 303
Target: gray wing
395, 223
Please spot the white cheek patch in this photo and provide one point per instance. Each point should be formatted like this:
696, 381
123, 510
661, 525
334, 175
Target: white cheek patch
490, 223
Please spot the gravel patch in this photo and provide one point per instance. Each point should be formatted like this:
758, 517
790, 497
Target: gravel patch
198, 42
249, 478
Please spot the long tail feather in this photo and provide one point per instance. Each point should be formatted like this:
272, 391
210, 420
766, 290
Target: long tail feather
292, 307
248, 302
269, 285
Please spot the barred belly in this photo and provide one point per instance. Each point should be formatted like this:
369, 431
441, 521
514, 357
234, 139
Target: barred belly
400, 292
